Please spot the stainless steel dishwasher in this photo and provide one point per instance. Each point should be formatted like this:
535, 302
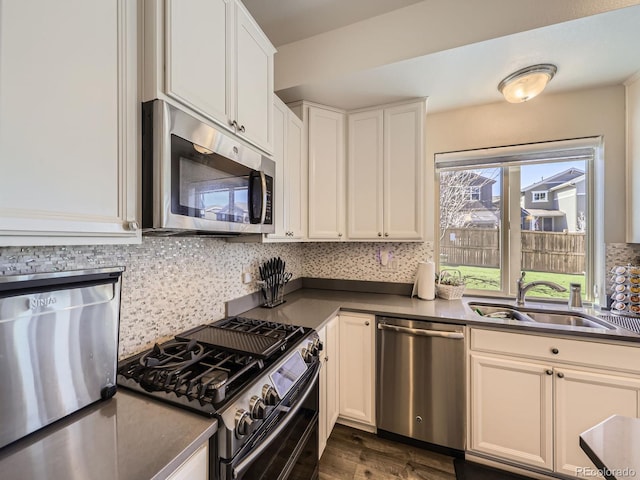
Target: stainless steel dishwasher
420, 391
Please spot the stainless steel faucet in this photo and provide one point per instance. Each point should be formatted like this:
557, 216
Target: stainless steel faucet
523, 288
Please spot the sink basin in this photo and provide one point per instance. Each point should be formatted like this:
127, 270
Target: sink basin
549, 317
573, 319
499, 311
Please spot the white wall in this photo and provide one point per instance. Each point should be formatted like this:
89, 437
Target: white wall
420, 29
584, 113
633, 155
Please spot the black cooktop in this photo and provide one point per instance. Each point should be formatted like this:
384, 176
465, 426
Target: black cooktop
204, 368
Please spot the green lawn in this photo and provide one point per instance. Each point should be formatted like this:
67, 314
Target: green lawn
484, 278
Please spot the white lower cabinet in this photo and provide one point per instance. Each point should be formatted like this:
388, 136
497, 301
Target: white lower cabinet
583, 399
530, 410
357, 368
512, 414
329, 384
196, 467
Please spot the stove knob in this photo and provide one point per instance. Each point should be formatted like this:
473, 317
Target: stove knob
257, 408
270, 395
244, 424
306, 354
318, 344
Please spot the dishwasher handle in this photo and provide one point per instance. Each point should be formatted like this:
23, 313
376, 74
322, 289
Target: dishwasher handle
420, 332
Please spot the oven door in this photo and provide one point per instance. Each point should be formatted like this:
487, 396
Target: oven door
287, 448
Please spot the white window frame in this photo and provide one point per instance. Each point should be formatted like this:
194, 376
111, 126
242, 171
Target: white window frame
527, 154
539, 192
474, 190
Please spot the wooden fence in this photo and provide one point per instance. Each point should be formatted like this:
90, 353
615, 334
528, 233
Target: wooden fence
541, 251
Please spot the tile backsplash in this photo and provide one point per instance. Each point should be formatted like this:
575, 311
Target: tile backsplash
172, 284
361, 261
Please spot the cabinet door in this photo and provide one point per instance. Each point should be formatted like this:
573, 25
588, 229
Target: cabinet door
511, 410
253, 81
364, 174
295, 177
323, 434
357, 372
197, 67
403, 171
196, 467
584, 399
326, 174
69, 116
332, 361
279, 151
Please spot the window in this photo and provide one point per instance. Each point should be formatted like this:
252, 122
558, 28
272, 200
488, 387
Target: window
474, 193
548, 234
540, 196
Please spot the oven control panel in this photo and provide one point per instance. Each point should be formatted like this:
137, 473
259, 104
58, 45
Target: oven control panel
245, 415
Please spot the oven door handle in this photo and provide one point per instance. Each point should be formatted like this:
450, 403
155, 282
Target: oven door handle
248, 460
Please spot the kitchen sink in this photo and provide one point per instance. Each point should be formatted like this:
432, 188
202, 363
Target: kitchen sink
549, 317
499, 311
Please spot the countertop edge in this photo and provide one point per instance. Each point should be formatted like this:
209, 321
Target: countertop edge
172, 466
331, 303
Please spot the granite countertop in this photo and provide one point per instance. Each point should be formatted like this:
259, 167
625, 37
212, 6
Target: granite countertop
613, 447
129, 437
314, 307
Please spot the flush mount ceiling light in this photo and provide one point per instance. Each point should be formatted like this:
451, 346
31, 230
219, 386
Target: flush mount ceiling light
526, 83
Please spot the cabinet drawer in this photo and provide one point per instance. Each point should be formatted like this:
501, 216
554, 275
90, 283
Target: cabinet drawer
595, 354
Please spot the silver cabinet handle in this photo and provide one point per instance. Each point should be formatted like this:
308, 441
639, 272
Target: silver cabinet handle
555, 351
549, 372
366, 323
339, 234
379, 234
131, 226
420, 332
242, 129
386, 234
560, 375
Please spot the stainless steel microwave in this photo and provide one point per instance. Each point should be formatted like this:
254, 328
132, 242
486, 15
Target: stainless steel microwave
197, 179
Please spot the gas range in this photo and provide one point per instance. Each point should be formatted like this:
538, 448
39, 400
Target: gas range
245, 372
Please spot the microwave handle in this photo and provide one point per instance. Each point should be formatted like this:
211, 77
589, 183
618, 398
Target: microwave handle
253, 218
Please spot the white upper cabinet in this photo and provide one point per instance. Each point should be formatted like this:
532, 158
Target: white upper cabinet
385, 173
290, 186
404, 171
325, 141
364, 172
69, 122
199, 77
211, 57
253, 81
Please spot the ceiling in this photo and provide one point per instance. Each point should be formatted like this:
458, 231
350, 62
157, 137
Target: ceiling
286, 21
592, 51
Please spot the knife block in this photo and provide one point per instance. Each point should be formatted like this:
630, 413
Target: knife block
272, 296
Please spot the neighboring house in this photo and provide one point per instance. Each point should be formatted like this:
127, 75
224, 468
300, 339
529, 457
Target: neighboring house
479, 209
556, 203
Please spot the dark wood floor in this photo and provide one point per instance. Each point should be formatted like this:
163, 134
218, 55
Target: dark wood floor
355, 455
351, 454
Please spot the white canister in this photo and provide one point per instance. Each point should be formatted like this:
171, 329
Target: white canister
425, 284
